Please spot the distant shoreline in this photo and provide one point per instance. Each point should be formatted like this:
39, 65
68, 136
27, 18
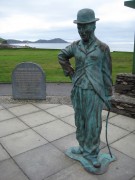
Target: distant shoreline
113, 47
116, 48
41, 45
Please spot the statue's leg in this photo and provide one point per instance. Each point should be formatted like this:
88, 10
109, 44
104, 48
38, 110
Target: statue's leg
76, 98
93, 126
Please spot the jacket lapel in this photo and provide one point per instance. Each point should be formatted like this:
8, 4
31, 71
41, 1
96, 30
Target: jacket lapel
81, 47
90, 48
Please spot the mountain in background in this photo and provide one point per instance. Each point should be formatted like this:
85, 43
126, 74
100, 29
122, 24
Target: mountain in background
10, 41
3, 41
4, 44
56, 40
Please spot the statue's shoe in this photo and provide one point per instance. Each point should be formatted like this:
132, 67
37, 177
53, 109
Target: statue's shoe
76, 150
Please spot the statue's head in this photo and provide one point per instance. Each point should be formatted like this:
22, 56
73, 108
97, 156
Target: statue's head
86, 23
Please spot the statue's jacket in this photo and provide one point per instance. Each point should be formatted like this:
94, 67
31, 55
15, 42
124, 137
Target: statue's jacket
93, 66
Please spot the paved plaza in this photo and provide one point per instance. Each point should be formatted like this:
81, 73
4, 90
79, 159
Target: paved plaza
34, 137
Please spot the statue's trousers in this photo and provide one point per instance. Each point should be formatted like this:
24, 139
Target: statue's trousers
88, 108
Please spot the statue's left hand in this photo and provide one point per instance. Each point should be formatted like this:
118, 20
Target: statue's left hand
71, 74
108, 102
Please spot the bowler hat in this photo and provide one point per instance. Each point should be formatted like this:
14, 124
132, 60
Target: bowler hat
85, 16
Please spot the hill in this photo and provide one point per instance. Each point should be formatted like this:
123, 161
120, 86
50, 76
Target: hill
3, 41
56, 40
13, 41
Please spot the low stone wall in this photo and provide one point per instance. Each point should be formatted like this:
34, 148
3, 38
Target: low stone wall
124, 105
123, 100
125, 84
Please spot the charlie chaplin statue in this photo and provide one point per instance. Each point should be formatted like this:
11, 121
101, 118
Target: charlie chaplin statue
92, 86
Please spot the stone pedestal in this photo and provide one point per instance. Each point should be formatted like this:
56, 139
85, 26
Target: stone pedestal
123, 100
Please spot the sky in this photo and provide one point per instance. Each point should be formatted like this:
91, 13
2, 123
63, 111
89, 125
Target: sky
48, 19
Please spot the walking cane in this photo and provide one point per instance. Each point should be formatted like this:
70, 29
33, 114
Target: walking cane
107, 118
108, 107
106, 132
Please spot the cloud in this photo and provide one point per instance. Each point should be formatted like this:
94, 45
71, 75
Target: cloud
32, 19
116, 12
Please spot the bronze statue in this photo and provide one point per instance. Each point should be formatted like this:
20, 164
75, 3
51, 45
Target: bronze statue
92, 87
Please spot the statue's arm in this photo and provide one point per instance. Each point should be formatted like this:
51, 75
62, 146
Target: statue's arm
107, 72
64, 56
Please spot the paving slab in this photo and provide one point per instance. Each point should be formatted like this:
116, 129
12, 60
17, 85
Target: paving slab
1, 107
123, 122
37, 118
45, 106
122, 169
74, 172
3, 154
61, 111
10, 171
23, 109
8, 105
126, 145
5, 114
104, 114
11, 126
54, 130
66, 142
43, 162
70, 120
22, 141
114, 133
69, 141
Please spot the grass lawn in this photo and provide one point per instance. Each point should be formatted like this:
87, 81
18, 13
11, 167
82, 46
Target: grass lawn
47, 59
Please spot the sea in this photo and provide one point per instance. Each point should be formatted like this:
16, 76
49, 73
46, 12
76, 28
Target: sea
114, 46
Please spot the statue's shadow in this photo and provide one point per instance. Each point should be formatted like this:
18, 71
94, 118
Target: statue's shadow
104, 159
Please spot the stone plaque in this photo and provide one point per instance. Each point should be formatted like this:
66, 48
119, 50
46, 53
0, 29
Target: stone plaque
28, 81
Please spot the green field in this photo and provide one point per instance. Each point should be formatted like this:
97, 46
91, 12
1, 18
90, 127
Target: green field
47, 59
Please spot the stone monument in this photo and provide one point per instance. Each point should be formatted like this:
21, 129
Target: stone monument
92, 88
28, 81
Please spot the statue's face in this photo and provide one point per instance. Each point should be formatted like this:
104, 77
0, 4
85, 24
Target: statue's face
85, 31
